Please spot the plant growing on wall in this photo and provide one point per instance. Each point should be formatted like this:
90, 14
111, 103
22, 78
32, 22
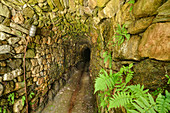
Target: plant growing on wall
114, 93
120, 35
131, 2
107, 84
107, 56
11, 98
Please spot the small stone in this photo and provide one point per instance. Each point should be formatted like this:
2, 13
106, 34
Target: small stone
0, 79
6, 22
5, 56
13, 40
30, 53
40, 59
17, 107
19, 56
14, 63
5, 29
19, 49
18, 18
3, 64
28, 12
34, 62
3, 36
49, 41
45, 67
5, 49
92, 3
4, 11
18, 27
36, 70
11, 75
101, 3
35, 79
19, 85
22, 41
1, 89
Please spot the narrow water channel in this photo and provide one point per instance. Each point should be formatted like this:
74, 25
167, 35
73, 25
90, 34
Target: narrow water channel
77, 96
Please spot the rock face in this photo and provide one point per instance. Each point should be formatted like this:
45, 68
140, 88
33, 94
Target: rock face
151, 73
30, 53
140, 25
11, 75
128, 50
163, 13
144, 8
5, 49
156, 42
1, 89
18, 106
101, 3
4, 11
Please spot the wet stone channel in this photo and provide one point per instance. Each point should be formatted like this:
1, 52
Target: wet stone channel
77, 96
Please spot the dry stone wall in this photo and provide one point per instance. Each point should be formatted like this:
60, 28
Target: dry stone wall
148, 47
49, 56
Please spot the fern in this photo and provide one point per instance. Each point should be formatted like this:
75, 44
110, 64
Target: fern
104, 81
144, 105
120, 99
163, 103
107, 56
138, 90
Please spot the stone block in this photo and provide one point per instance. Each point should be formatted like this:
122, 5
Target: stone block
5, 49
4, 11
144, 8
11, 75
155, 42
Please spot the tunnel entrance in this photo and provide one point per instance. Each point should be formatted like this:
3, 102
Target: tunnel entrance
86, 52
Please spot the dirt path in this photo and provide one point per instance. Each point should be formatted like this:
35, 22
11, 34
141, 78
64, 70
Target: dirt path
76, 97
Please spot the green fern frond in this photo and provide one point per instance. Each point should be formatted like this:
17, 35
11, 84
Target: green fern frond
138, 90
144, 105
163, 103
104, 81
120, 99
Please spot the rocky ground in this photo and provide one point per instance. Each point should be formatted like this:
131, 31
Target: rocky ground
76, 97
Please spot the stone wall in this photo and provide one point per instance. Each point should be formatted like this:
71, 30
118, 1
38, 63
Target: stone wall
148, 24
49, 56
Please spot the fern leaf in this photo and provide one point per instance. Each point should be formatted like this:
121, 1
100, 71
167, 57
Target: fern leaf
138, 90
133, 111
120, 99
163, 103
145, 104
103, 82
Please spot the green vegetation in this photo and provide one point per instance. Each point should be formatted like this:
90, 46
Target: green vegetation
131, 2
23, 100
11, 98
108, 56
114, 92
168, 79
120, 35
4, 109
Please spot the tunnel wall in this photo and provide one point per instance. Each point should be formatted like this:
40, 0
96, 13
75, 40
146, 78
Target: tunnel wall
148, 47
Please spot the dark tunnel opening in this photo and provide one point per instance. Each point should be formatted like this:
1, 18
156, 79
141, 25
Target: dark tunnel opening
86, 54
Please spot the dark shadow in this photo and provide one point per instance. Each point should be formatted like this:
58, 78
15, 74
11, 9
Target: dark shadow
86, 54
